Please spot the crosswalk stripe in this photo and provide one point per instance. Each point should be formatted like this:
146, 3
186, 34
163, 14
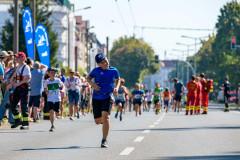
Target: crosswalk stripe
126, 151
139, 139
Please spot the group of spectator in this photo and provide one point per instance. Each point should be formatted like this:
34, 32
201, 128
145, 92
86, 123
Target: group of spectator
24, 98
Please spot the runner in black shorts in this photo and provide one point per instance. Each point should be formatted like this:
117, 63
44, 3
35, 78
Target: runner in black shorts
178, 89
103, 85
137, 101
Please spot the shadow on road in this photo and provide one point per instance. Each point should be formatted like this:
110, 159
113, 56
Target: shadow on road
180, 129
54, 148
217, 157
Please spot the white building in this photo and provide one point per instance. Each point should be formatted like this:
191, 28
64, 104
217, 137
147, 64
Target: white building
162, 77
61, 13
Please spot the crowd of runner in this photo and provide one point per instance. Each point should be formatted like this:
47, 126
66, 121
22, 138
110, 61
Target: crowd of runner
31, 91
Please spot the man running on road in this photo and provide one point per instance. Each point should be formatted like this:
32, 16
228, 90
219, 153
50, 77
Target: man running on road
178, 89
103, 85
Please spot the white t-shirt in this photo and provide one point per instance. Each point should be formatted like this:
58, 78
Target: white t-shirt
26, 72
73, 83
53, 88
150, 96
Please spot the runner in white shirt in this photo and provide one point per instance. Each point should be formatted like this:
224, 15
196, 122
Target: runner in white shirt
73, 85
52, 88
149, 98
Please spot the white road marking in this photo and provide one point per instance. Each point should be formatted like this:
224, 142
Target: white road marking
161, 118
236, 112
126, 151
151, 126
156, 123
146, 131
139, 139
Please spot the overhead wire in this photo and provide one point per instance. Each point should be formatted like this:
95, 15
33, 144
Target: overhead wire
122, 17
134, 21
171, 28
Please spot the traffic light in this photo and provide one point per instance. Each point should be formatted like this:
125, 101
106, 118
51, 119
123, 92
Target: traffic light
233, 44
156, 59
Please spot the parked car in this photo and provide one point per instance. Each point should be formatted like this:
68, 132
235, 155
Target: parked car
220, 97
233, 96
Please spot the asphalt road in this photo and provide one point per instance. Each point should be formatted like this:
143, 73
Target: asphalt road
170, 136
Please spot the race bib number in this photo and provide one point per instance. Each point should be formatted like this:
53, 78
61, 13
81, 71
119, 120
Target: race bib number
166, 99
121, 95
137, 96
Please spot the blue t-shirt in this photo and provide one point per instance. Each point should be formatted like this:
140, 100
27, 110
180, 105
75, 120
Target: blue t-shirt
105, 80
63, 79
1, 70
137, 95
36, 82
178, 88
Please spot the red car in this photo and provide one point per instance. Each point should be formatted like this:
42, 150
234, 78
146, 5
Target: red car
233, 96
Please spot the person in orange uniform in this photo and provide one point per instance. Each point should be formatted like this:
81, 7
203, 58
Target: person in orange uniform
197, 109
192, 87
205, 95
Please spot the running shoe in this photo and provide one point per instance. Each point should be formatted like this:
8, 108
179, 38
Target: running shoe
78, 116
24, 127
71, 118
120, 118
104, 144
116, 115
52, 129
84, 114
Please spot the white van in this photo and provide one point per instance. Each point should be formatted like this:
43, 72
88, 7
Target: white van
220, 97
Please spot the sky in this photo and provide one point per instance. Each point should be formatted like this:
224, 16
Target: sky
117, 18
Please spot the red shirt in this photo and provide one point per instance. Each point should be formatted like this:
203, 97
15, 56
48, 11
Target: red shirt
192, 87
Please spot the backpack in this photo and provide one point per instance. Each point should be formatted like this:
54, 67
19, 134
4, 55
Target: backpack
8, 75
208, 85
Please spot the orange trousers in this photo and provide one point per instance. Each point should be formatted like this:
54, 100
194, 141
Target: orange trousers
191, 100
205, 100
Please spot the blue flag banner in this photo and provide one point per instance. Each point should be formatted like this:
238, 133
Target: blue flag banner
42, 44
28, 31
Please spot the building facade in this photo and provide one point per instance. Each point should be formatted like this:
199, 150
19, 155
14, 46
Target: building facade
167, 66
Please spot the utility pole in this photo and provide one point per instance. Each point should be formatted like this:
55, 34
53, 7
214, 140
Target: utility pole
16, 28
108, 55
187, 66
68, 19
34, 25
87, 39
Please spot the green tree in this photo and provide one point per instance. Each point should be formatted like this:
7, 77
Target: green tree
42, 16
225, 61
133, 58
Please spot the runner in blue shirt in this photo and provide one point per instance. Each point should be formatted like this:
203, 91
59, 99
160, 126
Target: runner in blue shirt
137, 95
104, 77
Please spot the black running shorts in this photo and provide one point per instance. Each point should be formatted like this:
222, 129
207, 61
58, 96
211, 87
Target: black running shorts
54, 106
178, 98
100, 105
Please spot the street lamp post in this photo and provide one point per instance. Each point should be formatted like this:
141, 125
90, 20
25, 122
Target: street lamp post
187, 45
16, 28
195, 56
183, 51
88, 49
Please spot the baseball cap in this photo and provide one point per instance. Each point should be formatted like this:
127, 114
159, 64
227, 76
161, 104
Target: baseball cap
99, 57
52, 69
3, 54
20, 54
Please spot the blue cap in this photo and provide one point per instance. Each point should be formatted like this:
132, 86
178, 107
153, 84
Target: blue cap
99, 57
